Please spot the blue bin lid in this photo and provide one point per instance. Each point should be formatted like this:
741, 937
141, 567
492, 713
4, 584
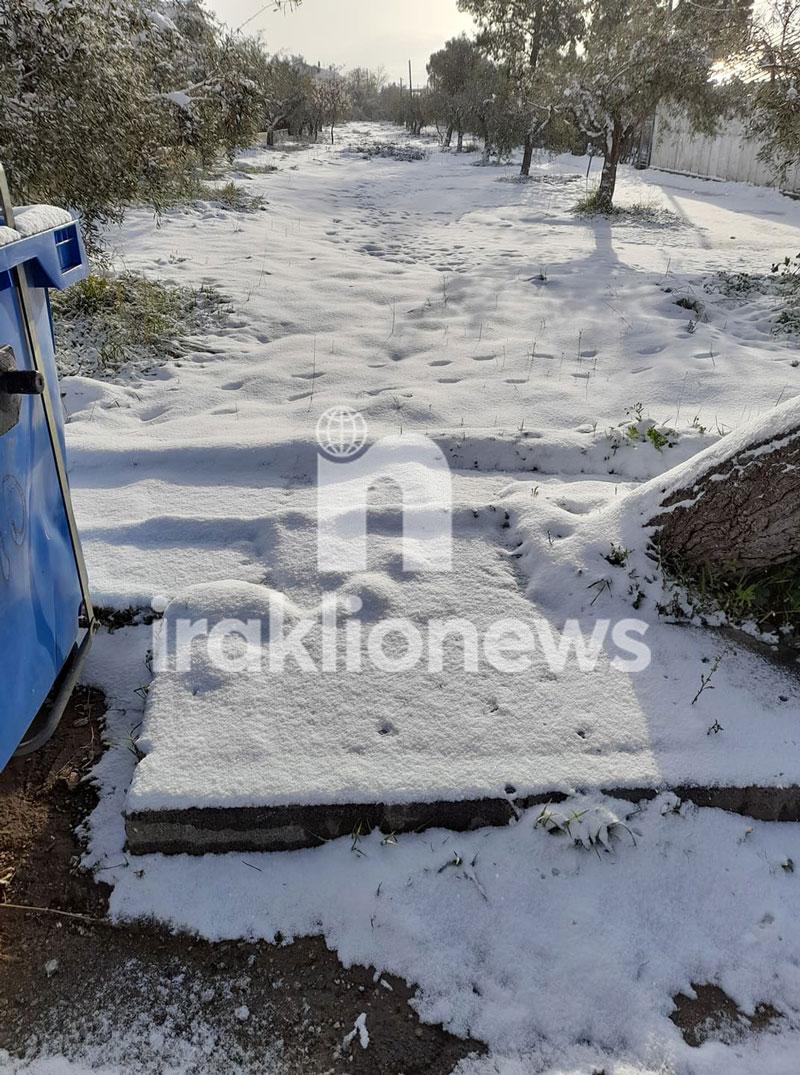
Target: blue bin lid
48, 241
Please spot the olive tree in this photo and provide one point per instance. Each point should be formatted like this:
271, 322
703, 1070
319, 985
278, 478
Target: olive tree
286, 98
331, 100
82, 123
774, 98
106, 102
525, 37
453, 73
364, 89
636, 53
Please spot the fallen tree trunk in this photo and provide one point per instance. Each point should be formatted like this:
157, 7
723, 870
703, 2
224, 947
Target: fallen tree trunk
735, 508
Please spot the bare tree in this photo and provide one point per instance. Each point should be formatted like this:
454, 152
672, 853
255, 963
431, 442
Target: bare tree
331, 98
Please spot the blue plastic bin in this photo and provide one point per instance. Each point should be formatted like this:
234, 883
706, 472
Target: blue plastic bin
40, 585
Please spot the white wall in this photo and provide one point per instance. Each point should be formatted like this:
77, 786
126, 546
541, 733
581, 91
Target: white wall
730, 154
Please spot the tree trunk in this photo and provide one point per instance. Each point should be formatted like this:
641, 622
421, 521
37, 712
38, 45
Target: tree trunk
738, 509
448, 138
604, 201
533, 63
527, 156
460, 143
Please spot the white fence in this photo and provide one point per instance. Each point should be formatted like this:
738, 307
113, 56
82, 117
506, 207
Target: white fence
730, 154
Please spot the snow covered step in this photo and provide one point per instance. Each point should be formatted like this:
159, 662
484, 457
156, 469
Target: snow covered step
289, 744
209, 830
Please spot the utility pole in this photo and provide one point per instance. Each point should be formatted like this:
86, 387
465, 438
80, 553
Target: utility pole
410, 83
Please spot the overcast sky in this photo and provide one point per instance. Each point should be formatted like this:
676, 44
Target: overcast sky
351, 33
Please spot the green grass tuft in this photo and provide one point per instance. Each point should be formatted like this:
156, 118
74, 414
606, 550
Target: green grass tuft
768, 598
110, 323
254, 169
234, 198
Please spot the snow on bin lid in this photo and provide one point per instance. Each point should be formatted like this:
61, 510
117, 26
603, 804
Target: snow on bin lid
31, 219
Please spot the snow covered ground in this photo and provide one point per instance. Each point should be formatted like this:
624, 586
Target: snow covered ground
521, 939
413, 292
445, 299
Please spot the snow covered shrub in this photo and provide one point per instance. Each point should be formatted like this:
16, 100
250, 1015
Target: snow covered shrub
777, 291
247, 169
106, 324
390, 150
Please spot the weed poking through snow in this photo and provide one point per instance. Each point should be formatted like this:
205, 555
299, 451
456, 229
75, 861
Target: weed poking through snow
591, 824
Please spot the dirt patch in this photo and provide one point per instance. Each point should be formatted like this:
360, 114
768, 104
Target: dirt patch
43, 797
146, 999
712, 1016
113, 619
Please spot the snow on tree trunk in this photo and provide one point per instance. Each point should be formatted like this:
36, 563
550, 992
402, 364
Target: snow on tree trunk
736, 507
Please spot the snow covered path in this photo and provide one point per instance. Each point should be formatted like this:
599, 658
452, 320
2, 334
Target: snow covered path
413, 291
435, 297
440, 298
